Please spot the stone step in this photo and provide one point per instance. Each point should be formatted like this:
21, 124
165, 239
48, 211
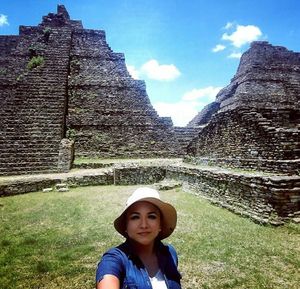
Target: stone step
29, 169
28, 143
7, 157
32, 163
16, 151
27, 133
28, 160
19, 147
33, 111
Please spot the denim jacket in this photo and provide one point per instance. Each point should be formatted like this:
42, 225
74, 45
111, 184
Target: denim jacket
124, 264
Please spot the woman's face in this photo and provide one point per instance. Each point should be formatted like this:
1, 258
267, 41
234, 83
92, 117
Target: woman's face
143, 223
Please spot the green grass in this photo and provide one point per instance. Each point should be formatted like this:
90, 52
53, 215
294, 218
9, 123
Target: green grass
88, 160
54, 240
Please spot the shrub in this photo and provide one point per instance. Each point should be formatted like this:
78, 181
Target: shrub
35, 61
71, 133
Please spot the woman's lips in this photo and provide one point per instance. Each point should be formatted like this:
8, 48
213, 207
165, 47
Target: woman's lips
143, 233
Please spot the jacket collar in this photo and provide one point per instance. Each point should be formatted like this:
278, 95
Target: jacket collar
160, 248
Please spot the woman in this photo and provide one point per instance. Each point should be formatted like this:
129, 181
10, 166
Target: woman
142, 261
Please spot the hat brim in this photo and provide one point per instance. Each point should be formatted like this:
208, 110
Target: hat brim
168, 214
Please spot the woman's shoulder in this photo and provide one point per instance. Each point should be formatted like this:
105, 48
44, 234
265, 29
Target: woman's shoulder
112, 263
117, 252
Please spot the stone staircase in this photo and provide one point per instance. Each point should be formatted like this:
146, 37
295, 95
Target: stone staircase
185, 135
33, 104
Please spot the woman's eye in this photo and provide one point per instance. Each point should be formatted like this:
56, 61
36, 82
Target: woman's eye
152, 217
134, 217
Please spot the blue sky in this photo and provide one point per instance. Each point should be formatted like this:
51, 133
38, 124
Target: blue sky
185, 50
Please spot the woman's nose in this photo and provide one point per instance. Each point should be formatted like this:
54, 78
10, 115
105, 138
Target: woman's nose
144, 223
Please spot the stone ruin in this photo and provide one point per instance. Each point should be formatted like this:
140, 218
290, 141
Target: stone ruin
65, 92
254, 123
60, 81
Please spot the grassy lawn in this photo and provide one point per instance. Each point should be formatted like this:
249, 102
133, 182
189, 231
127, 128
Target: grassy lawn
54, 240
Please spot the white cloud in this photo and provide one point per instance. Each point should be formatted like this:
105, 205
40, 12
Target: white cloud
3, 20
209, 93
235, 55
181, 112
218, 47
133, 71
243, 35
153, 70
228, 25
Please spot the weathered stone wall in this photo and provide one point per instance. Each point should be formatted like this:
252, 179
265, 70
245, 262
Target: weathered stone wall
246, 139
258, 120
139, 175
266, 199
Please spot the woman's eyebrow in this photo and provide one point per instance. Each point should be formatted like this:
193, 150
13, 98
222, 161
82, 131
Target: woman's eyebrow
138, 213
154, 212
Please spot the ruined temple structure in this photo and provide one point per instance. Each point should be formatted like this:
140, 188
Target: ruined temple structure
254, 122
64, 91
60, 81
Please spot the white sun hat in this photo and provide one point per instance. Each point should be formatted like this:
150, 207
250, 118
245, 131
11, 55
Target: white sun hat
168, 212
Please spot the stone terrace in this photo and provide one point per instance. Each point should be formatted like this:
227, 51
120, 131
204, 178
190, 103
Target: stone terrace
265, 198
